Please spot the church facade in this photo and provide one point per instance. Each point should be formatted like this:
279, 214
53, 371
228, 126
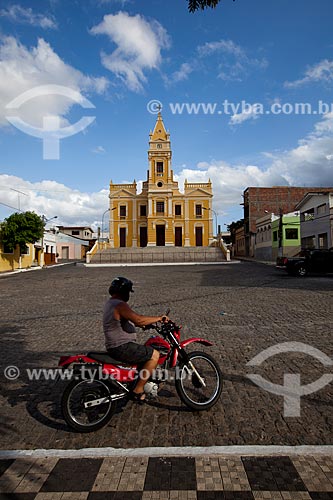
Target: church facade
160, 215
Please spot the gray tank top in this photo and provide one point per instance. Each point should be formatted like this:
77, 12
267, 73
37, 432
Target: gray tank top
117, 332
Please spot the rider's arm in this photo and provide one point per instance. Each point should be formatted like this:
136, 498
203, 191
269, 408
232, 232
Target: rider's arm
124, 311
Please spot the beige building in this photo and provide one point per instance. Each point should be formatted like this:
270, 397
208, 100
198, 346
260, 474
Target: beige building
160, 215
83, 232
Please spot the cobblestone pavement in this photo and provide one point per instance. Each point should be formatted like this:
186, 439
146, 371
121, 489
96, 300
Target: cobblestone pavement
168, 478
243, 308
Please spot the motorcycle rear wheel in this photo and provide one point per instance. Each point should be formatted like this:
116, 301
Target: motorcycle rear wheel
80, 392
189, 387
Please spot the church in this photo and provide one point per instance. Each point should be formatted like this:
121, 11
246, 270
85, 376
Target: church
161, 215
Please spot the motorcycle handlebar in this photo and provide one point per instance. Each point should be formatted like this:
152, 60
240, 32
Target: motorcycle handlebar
159, 329
153, 326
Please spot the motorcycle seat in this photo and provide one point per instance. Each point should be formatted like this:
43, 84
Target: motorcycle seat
104, 357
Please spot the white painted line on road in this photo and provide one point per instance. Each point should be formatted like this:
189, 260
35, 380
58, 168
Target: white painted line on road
172, 451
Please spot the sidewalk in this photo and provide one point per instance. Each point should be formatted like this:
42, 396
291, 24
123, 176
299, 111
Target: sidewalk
163, 477
35, 268
252, 259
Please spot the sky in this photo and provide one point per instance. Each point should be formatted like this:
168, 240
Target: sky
245, 91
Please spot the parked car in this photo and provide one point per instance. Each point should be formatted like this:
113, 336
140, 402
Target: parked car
317, 261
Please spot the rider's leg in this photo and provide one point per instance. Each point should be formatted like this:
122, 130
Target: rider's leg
146, 371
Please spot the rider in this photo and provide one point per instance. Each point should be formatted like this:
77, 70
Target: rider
120, 336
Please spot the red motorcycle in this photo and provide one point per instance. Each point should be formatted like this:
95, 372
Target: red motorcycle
98, 380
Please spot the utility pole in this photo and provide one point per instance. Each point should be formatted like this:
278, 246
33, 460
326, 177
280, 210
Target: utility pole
45, 220
280, 233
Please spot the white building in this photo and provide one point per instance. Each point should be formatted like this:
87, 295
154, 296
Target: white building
263, 243
316, 211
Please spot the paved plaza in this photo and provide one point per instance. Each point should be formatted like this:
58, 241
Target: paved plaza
243, 308
168, 478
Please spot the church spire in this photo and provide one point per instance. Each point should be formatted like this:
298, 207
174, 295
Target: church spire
159, 132
159, 153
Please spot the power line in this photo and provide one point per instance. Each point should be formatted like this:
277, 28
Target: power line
14, 208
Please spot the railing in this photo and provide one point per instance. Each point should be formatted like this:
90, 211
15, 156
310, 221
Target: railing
99, 245
219, 243
127, 186
195, 185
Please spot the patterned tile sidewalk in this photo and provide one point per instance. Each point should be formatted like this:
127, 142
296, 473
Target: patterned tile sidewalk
168, 478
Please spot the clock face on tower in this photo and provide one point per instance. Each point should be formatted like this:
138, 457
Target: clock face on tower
159, 146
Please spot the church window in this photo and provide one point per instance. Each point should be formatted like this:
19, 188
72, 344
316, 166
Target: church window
143, 210
122, 211
178, 209
159, 146
159, 167
160, 207
198, 210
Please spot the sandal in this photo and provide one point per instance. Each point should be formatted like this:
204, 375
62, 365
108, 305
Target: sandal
137, 397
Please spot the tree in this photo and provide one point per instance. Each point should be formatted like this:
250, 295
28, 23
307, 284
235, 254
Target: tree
20, 229
194, 5
233, 227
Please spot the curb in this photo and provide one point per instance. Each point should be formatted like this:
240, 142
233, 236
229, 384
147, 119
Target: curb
36, 268
249, 259
193, 451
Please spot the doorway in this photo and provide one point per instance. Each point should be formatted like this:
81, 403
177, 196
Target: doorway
160, 235
122, 236
178, 236
143, 236
65, 253
198, 236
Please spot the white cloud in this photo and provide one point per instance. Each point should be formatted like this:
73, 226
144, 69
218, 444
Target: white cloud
139, 44
180, 75
234, 62
308, 164
319, 73
23, 68
251, 113
50, 198
226, 46
23, 15
231, 60
99, 150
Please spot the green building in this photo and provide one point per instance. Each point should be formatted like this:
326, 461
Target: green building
286, 237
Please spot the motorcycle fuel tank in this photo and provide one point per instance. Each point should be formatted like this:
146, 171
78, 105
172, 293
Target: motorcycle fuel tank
160, 345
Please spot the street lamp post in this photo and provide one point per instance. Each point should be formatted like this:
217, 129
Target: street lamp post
280, 233
215, 221
107, 210
215, 217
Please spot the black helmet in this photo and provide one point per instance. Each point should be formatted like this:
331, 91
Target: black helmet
121, 286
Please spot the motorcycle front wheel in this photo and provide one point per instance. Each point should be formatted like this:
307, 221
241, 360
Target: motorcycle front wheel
199, 381
86, 404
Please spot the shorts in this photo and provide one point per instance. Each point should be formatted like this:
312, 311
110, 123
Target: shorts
132, 353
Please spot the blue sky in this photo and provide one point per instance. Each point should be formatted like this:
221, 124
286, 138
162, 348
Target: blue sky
121, 55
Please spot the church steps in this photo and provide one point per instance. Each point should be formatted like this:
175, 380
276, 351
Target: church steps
157, 254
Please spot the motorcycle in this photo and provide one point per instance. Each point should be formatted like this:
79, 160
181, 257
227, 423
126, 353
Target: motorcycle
99, 381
